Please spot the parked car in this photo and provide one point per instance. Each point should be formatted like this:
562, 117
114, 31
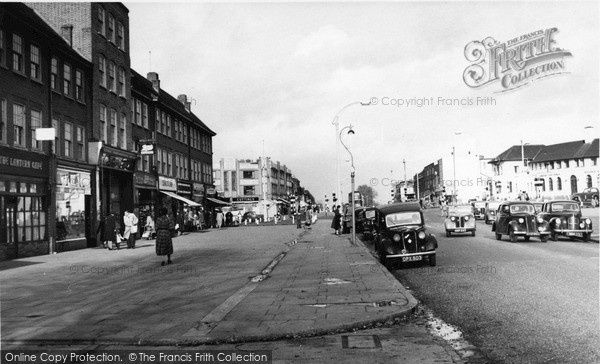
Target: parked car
491, 207
538, 206
460, 219
478, 209
565, 219
589, 196
359, 218
368, 220
401, 235
518, 218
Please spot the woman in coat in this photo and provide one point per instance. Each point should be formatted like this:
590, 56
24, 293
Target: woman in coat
336, 221
109, 234
164, 243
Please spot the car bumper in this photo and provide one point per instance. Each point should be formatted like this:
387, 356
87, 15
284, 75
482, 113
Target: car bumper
574, 231
409, 254
528, 233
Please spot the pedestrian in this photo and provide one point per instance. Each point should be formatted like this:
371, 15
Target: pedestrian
110, 233
180, 224
239, 217
149, 227
130, 221
229, 218
164, 242
219, 218
336, 221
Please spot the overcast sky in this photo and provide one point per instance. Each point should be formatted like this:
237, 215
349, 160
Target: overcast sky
280, 72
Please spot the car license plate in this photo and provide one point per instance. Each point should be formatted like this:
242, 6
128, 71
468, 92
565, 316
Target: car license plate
414, 258
575, 234
460, 230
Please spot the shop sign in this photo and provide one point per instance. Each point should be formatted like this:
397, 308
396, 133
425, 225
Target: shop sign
145, 179
244, 199
211, 191
167, 184
13, 161
117, 162
184, 187
198, 188
146, 147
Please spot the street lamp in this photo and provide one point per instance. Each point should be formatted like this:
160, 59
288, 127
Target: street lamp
350, 131
337, 141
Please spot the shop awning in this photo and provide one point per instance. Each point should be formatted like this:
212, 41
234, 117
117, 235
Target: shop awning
284, 201
218, 201
185, 200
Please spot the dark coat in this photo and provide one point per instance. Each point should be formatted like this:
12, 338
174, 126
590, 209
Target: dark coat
335, 222
164, 242
110, 224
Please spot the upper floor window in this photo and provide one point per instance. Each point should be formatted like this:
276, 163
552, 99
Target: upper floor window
80, 153
144, 115
54, 73
103, 124
110, 34
101, 20
111, 76
138, 112
120, 36
3, 121
123, 131
121, 86
66, 79
78, 85
56, 126
168, 126
2, 48
18, 53
36, 122
113, 127
35, 59
102, 69
19, 125
68, 139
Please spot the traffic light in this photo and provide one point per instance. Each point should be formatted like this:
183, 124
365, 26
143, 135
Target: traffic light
334, 199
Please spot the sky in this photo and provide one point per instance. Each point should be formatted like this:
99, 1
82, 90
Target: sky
274, 75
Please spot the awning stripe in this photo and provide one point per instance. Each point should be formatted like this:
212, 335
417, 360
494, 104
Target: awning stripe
174, 195
218, 201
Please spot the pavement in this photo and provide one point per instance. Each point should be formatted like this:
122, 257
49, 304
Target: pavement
234, 285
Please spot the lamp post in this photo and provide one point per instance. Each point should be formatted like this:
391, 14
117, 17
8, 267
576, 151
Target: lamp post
350, 131
337, 142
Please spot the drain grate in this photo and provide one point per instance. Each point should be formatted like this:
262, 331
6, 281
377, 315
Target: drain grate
361, 342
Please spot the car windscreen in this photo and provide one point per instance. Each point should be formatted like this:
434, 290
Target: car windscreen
370, 214
460, 210
529, 209
403, 218
565, 206
493, 205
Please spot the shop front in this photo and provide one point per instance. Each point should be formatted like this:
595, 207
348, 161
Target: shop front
145, 185
116, 184
73, 209
24, 204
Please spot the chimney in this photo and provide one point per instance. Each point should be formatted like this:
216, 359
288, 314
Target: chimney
183, 99
153, 77
67, 33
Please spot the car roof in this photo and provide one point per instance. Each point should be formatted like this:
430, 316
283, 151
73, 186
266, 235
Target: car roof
399, 207
510, 203
562, 201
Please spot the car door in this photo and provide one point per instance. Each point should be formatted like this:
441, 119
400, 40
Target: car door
502, 216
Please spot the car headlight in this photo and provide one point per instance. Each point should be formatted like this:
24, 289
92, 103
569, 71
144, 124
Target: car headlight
540, 220
452, 218
581, 225
466, 218
588, 221
540, 229
558, 222
422, 235
521, 220
396, 238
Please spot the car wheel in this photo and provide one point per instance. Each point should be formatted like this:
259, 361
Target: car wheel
432, 261
473, 233
553, 236
544, 238
512, 236
573, 238
498, 236
447, 234
527, 238
381, 257
586, 237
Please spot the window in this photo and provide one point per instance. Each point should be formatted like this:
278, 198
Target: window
31, 215
144, 115
3, 121
558, 184
138, 112
110, 34
184, 127
66, 79
120, 36
164, 162
17, 53
550, 184
588, 181
19, 125
35, 59
2, 49
54, 73
101, 21
113, 127
123, 131
103, 124
55, 125
36, 122
112, 68
168, 126
102, 69
80, 153
68, 138
121, 88
169, 164
78, 85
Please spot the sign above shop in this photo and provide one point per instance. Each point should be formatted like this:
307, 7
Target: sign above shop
146, 147
245, 199
167, 184
117, 162
23, 163
210, 191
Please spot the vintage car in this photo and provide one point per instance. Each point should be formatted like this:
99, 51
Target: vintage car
401, 235
478, 209
538, 206
368, 220
460, 219
491, 207
517, 218
565, 218
589, 196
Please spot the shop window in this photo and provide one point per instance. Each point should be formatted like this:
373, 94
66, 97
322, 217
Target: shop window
35, 60
30, 218
19, 125
36, 122
72, 187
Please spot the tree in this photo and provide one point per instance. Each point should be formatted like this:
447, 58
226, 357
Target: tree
368, 193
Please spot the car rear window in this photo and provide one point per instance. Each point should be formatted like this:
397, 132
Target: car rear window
522, 209
403, 218
566, 206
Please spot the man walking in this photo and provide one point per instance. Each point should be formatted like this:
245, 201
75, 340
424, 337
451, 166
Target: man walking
130, 221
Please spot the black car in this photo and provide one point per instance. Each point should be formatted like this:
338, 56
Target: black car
368, 221
401, 235
565, 218
518, 218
